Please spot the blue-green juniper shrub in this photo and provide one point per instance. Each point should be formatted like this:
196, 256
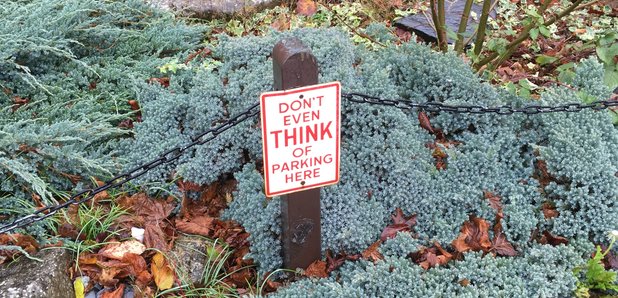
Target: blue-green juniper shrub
386, 164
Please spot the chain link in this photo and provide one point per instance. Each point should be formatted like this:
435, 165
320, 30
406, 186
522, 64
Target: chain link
474, 109
207, 136
166, 157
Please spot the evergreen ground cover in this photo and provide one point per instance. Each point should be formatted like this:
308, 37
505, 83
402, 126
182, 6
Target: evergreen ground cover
116, 83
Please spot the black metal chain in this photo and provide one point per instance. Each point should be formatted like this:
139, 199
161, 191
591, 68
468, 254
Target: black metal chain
166, 157
209, 135
475, 109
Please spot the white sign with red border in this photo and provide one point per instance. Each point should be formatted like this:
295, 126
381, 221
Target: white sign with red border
301, 136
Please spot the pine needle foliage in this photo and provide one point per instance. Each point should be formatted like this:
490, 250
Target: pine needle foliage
67, 70
386, 164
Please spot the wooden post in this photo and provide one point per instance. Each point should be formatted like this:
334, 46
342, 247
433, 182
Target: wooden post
295, 66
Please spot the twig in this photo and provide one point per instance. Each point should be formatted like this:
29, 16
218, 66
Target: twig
463, 23
478, 44
435, 20
476, 30
443, 42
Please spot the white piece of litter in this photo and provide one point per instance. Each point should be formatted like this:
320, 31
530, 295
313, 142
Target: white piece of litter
138, 234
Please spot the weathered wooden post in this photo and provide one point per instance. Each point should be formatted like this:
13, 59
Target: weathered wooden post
295, 66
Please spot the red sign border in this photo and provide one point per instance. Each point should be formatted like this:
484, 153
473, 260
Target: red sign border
263, 97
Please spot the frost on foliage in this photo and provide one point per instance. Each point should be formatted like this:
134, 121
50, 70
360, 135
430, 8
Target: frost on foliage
386, 164
544, 271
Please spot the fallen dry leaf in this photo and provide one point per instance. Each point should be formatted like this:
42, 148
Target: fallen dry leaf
494, 200
87, 259
334, 262
151, 209
161, 272
137, 263
240, 277
431, 257
549, 211
201, 225
401, 223
549, 238
107, 277
317, 269
424, 122
154, 237
474, 236
502, 247
102, 195
119, 250
26, 242
306, 7
372, 253
117, 293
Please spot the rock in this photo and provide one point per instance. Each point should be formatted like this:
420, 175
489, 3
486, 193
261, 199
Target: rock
422, 25
209, 8
30, 278
189, 257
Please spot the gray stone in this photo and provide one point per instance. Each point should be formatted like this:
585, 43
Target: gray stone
26, 278
209, 8
189, 256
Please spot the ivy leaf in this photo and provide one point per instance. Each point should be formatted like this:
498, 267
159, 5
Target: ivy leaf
306, 7
502, 246
544, 31
534, 33
545, 59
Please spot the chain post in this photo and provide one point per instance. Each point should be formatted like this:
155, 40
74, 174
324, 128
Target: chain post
295, 66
